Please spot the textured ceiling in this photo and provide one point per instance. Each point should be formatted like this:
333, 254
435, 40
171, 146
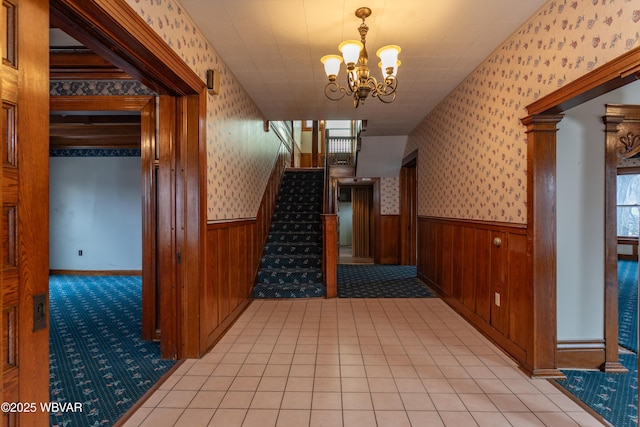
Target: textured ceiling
273, 47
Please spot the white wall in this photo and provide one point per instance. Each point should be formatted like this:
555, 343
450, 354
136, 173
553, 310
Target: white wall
345, 215
96, 207
580, 216
381, 156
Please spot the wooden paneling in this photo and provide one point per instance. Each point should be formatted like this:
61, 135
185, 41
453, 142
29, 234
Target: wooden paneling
468, 266
520, 313
483, 274
389, 243
233, 251
94, 131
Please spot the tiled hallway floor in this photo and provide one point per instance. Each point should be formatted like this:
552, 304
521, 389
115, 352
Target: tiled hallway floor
355, 362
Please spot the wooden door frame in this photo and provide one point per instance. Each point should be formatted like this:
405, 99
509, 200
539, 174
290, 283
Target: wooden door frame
374, 183
408, 211
541, 123
25, 268
146, 106
113, 30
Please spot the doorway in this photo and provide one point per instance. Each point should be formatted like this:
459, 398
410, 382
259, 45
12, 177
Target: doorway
137, 50
409, 210
357, 224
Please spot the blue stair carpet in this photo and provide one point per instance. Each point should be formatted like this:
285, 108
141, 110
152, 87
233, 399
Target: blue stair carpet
96, 354
291, 266
614, 396
628, 304
381, 281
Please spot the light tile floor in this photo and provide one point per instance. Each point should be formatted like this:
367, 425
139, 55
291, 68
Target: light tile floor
355, 362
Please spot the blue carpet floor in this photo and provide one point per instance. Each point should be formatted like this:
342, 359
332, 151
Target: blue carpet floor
628, 304
96, 354
614, 396
381, 281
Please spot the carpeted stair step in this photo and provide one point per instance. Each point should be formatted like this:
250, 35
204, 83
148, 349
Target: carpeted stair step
287, 248
291, 264
289, 276
304, 217
276, 236
309, 227
291, 261
301, 198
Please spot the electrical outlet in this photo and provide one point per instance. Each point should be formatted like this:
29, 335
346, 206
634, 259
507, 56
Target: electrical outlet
497, 299
80, 252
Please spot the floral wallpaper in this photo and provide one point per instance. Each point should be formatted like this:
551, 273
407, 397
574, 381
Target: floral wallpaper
390, 195
472, 161
98, 87
240, 155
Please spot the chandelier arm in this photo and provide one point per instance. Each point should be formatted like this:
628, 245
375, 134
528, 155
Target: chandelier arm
385, 90
334, 92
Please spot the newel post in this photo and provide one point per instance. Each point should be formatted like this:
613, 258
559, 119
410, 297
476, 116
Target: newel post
330, 253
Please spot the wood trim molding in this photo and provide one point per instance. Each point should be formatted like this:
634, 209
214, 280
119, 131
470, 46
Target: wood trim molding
476, 223
212, 225
581, 354
410, 159
629, 171
82, 65
610, 76
113, 30
99, 103
98, 272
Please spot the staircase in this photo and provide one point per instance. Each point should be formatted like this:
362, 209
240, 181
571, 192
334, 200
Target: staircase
291, 266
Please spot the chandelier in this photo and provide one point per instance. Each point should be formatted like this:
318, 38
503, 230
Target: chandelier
360, 84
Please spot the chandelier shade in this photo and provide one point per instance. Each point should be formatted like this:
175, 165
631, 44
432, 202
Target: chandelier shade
389, 58
360, 84
350, 51
331, 65
385, 70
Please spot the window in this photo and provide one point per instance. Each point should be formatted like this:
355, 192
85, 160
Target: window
628, 200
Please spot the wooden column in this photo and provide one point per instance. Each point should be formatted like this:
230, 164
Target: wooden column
541, 242
611, 360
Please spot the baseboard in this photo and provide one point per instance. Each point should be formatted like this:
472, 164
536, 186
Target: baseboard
219, 332
580, 354
98, 272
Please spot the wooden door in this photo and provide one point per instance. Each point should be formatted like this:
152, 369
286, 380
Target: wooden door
363, 222
408, 214
24, 89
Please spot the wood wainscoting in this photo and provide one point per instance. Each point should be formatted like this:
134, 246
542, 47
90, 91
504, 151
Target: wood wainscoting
233, 251
480, 270
389, 241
